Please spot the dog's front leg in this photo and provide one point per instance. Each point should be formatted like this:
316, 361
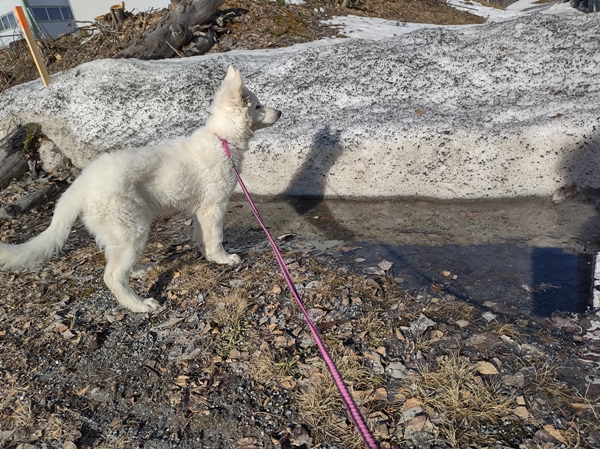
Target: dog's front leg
210, 233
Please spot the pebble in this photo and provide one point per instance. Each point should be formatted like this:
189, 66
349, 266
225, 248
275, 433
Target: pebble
397, 370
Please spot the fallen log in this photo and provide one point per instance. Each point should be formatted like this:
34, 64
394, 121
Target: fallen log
26, 202
13, 152
174, 30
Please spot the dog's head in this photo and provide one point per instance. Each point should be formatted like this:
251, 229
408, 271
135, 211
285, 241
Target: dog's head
238, 102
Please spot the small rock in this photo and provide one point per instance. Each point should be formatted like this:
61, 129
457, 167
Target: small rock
375, 362
397, 370
419, 326
486, 368
532, 350
52, 160
559, 195
489, 316
521, 412
411, 403
484, 342
410, 413
248, 443
416, 424
462, 323
299, 437
381, 394
550, 433
312, 285
316, 314
385, 265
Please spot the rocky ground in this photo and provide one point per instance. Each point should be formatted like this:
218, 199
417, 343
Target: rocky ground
227, 361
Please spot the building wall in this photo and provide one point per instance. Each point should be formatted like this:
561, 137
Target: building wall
86, 10
7, 35
53, 19
47, 18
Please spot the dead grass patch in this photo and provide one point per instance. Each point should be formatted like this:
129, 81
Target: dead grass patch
451, 309
271, 367
465, 400
228, 315
320, 404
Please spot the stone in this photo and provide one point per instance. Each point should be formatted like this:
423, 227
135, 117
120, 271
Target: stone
532, 350
397, 370
462, 323
484, 342
51, 159
521, 412
486, 368
515, 380
419, 326
489, 316
375, 362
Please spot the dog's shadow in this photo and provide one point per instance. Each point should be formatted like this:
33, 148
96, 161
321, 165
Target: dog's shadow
306, 191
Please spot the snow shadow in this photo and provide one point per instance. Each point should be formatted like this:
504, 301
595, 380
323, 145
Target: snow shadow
563, 281
312, 176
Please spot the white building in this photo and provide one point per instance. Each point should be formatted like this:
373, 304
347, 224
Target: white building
86, 10
51, 18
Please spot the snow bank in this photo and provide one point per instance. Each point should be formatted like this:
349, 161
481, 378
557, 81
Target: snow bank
504, 109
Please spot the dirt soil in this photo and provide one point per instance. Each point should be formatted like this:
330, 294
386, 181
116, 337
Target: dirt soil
227, 361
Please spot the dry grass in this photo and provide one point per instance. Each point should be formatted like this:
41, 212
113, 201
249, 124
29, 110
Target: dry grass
228, 314
465, 400
508, 330
544, 382
320, 404
269, 367
451, 309
321, 408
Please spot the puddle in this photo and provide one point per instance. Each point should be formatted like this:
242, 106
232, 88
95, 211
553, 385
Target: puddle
526, 256
513, 278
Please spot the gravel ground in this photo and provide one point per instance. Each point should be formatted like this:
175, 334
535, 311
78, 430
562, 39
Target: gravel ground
227, 361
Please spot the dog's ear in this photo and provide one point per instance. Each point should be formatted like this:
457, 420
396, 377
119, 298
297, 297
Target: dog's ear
230, 74
232, 86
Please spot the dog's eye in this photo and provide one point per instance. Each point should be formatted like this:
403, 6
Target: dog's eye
257, 106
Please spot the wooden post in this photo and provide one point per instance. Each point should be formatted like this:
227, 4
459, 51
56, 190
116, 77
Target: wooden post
35, 51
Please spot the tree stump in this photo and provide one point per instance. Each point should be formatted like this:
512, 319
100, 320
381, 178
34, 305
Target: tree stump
174, 30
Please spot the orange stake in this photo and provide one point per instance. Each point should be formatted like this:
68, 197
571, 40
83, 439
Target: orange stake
35, 51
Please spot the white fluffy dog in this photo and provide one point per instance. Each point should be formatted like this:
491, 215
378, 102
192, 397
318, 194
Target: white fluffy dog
120, 193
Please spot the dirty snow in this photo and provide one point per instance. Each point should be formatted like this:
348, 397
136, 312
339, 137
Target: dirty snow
504, 109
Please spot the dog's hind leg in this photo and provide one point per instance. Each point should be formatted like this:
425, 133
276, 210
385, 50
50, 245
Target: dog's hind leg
211, 222
120, 259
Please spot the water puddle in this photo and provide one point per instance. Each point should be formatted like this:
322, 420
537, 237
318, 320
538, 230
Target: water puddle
514, 278
526, 256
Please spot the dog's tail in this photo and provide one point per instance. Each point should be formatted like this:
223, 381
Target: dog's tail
48, 242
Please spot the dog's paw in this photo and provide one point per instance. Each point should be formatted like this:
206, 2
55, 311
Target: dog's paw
234, 259
143, 305
225, 259
152, 304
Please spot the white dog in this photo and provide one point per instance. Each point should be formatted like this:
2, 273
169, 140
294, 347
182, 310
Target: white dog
120, 193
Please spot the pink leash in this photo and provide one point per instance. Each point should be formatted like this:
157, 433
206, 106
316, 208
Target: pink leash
351, 407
